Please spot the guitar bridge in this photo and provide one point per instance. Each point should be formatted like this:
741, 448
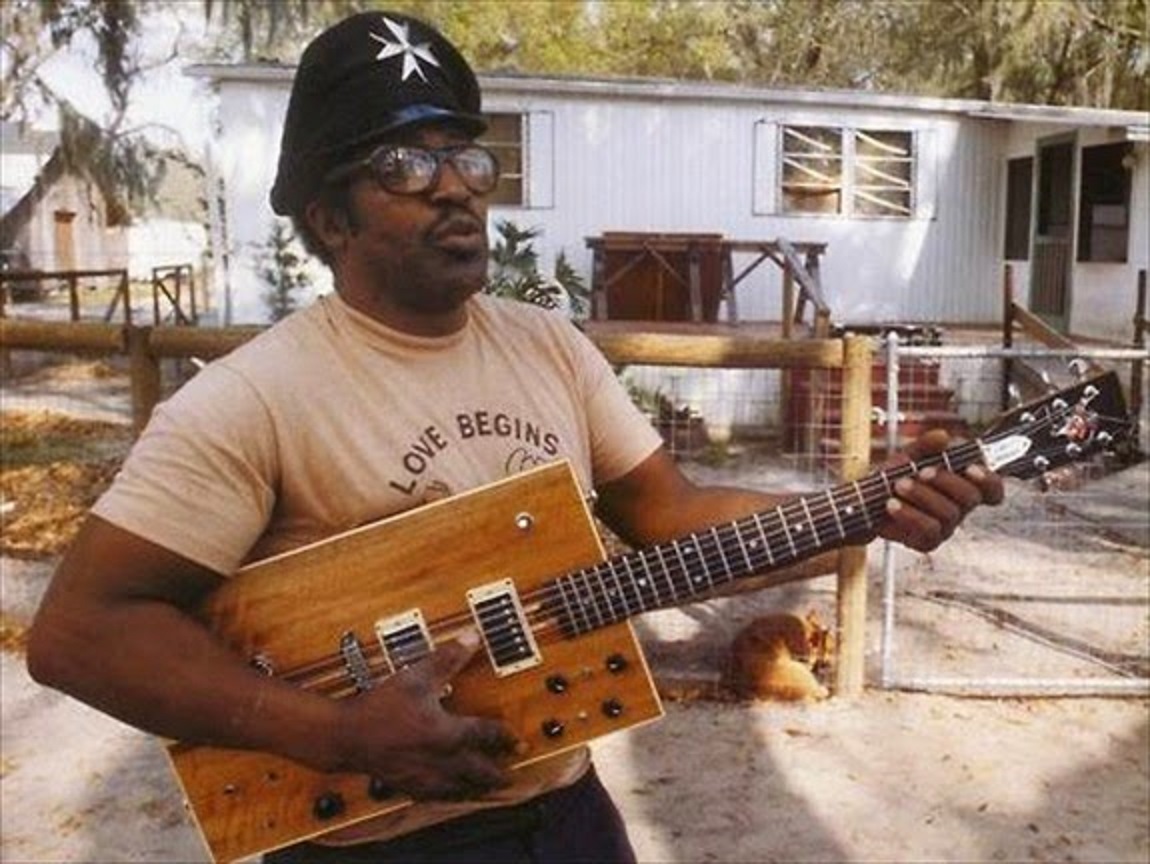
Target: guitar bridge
503, 624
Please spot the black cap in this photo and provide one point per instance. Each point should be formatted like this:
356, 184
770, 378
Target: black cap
369, 75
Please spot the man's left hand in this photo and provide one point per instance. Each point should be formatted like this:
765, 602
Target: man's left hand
928, 507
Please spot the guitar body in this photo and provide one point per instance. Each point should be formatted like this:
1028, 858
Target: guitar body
412, 573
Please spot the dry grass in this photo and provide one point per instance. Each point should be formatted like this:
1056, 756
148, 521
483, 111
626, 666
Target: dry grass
52, 469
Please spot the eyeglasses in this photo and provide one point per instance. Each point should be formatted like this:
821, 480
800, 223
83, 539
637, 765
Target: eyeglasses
406, 170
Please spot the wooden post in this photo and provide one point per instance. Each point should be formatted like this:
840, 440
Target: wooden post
125, 289
74, 295
1007, 335
1137, 370
192, 296
145, 371
850, 666
788, 302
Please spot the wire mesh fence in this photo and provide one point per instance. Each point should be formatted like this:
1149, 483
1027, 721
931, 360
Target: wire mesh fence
1048, 593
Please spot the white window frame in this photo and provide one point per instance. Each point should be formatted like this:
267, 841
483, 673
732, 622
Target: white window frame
536, 157
770, 154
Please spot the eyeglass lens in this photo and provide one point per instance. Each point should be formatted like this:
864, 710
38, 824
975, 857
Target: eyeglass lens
411, 170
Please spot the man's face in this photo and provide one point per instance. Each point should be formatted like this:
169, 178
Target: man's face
414, 254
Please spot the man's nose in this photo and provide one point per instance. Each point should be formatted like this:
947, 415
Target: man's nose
450, 182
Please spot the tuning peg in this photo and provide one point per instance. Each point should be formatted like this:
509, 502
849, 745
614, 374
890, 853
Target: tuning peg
1078, 367
1014, 394
1041, 463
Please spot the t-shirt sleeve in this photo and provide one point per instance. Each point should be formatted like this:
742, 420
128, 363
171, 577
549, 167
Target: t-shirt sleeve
201, 479
620, 435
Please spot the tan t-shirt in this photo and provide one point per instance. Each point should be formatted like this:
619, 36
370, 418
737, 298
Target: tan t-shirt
330, 420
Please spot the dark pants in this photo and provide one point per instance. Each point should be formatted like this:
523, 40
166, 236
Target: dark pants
575, 825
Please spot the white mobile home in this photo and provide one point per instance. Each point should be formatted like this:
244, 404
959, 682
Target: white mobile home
919, 201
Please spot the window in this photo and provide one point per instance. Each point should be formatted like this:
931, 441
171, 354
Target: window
504, 137
850, 172
1104, 211
1019, 177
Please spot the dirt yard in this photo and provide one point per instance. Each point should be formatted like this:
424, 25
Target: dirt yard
887, 776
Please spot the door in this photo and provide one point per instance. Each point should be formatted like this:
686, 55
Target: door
65, 239
1053, 233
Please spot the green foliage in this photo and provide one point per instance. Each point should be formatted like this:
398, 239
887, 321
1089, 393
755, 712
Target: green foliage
514, 273
283, 269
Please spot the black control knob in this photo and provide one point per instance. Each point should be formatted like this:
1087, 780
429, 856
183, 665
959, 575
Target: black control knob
377, 790
557, 684
328, 806
617, 664
612, 707
552, 728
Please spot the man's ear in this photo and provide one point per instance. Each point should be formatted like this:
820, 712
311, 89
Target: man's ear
330, 226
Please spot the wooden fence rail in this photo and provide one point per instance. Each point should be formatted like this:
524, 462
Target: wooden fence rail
147, 346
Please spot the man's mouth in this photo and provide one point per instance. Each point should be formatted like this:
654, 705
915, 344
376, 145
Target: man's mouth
460, 235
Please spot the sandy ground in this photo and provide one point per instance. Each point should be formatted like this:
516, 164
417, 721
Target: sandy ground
885, 777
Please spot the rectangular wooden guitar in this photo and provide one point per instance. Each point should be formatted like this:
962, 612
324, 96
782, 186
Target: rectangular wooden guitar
521, 562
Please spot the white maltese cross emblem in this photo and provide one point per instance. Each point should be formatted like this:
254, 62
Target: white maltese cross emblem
402, 47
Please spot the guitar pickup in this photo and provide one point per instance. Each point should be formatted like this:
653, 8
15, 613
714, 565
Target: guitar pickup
404, 638
504, 627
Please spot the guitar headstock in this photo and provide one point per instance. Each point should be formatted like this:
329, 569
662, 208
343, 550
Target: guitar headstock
1064, 427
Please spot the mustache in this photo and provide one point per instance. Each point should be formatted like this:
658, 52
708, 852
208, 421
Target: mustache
456, 222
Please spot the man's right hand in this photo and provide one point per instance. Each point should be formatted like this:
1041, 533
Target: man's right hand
400, 733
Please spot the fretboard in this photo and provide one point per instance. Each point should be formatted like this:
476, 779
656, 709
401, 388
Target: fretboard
678, 571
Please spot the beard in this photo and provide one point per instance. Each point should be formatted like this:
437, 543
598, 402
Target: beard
438, 270
437, 282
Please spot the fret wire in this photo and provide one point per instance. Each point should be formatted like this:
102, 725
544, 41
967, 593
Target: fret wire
811, 522
623, 585
635, 583
732, 548
639, 582
564, 584
835, 513
787, 530
722, 555
668, 574
765, 539
743, 548
865, 508
587, 598
683, 564
612, 614
610, 565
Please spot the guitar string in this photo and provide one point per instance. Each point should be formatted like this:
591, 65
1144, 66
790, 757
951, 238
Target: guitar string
335, 666
549, 621
723, 548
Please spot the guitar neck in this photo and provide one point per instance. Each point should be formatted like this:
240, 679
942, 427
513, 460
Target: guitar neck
672, 573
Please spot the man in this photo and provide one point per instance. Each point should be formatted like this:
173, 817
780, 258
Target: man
374, 400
